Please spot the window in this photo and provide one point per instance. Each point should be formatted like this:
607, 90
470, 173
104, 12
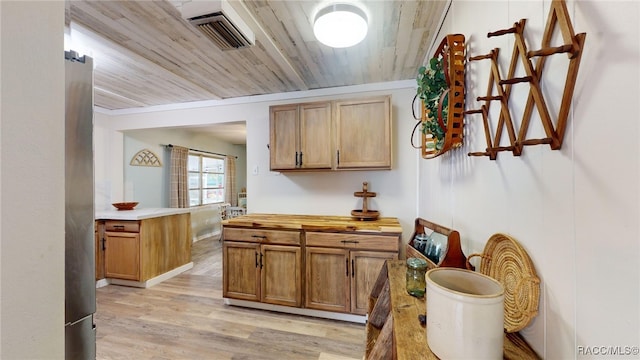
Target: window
206, 179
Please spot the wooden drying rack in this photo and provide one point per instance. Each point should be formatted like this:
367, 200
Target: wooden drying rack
558, 17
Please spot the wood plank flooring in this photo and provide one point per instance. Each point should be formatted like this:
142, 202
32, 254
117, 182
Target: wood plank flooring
185, 318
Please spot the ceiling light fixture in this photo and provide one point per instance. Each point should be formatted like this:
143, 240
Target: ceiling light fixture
340, 25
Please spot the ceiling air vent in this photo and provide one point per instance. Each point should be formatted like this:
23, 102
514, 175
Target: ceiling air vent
219, 22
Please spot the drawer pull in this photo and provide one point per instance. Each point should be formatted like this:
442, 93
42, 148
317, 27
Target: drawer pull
349, 241
259, 236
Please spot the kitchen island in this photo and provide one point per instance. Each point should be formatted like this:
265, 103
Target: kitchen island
142, 247
315, 265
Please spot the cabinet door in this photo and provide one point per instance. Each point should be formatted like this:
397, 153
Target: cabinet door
99, 250
122, 255
327, 279
283, 137
365, 268
241, 275
363, 133
281, 273
315, 149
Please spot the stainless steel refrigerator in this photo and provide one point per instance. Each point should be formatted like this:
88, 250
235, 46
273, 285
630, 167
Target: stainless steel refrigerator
80, 286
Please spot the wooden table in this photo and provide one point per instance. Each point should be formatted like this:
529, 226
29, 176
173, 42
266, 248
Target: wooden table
394, 330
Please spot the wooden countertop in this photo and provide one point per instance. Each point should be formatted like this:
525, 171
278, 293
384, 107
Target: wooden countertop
387, 225
409, 336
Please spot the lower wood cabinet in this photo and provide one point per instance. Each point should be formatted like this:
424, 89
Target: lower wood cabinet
263, 265
140, 250
99, 248
122, 255
307, 269
340, 278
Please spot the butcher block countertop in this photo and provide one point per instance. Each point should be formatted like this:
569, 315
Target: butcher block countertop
387, 225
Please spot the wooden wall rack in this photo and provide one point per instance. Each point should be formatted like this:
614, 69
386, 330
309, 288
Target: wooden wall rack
573, 45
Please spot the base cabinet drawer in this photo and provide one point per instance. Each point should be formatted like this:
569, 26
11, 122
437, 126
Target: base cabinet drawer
353, 241
122, 225
262, 236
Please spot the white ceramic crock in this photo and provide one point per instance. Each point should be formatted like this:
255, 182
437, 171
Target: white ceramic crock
465, 314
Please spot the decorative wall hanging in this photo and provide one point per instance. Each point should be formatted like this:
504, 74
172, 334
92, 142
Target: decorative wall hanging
441, 91
573, 45
145, 157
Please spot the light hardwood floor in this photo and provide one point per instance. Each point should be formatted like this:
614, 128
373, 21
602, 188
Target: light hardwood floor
185, 318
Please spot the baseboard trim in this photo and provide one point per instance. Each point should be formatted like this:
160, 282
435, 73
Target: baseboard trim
362, 319
102, 283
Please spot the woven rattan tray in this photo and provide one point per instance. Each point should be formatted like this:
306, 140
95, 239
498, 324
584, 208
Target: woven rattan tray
506, 261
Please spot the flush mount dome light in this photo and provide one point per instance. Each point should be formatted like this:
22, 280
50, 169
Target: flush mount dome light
340, 25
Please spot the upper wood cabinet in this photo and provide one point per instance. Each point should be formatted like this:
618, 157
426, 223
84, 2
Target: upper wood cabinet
363, 133
300, 136
331, 135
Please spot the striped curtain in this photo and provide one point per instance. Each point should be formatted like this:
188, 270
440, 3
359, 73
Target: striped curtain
178, 183
230, 193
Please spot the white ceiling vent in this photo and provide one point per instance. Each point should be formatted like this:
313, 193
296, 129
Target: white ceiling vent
219, 22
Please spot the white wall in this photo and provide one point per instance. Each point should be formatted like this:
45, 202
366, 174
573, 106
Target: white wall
108, 163
325, 193
149, 185
32, 180
575, 210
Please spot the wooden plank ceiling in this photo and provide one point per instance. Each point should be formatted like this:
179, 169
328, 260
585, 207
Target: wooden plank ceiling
147, 55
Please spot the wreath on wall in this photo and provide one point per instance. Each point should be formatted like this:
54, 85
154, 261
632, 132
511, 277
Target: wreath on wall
432, 90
